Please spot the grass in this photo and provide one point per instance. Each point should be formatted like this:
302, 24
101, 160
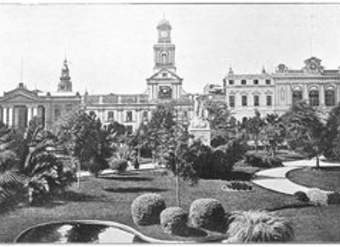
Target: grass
326, 178
111, 198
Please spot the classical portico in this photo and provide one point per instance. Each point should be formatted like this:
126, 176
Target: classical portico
20, 105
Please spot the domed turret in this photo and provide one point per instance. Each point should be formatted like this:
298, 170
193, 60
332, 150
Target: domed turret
164, 24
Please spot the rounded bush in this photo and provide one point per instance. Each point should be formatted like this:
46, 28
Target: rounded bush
301, 196
145, 209
333, 198
258, 226
119, 165
207, 213
317, 196
173, 220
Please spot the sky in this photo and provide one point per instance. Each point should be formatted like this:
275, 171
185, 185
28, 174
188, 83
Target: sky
109, 47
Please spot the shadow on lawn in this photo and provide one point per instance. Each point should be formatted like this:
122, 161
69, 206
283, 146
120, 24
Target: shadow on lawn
128, 178
134, 189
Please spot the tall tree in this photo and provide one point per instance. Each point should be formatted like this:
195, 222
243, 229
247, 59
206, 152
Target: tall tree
304, 130
332, 134
223, 125
83, 135
179, 157
272, 133
253, 126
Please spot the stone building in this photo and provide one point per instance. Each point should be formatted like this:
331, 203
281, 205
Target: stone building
163, 86
20, 105
276, 92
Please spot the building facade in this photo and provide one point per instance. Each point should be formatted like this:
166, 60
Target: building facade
163, 86
20, 105
278, 91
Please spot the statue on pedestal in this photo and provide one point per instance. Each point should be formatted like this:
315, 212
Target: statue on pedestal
199, 125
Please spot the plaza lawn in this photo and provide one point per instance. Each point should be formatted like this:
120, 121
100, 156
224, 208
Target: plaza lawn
110, 199
326, 178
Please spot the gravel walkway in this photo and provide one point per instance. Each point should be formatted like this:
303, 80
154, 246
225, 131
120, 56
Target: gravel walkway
276, 178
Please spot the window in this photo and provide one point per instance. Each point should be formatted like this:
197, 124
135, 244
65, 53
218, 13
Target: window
129, 116
256, 100
145, 115
297, 96
232, 101
231, 82
57, 114
269, 100
129, 129
268, 82
164, 57
68, 107
244, 100
329, 97
256, 82
243, 82
164, 74
314, 97
110, 116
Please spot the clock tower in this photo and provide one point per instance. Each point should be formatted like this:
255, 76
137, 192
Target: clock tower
164, 50
164, 84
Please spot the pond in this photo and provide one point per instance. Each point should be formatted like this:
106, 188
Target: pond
82, 232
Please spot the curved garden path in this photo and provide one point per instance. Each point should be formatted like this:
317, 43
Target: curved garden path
276, 178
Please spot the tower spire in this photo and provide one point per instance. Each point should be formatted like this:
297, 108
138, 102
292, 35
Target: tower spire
65, 84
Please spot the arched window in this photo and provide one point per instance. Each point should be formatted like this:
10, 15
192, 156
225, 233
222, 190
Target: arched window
329, 97
110, 116
164, 57
145, 115
297, 96
314, 97
129, 116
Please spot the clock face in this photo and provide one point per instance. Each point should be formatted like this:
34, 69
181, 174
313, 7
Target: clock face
164, 34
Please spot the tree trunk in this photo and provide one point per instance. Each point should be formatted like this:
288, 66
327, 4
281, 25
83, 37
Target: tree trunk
178, 197
317, 161
256, 143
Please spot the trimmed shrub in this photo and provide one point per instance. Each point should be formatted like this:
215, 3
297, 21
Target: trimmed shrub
258, 226
119, 165
239, 186
207, 213
333, 198
173, 220
145, 209
317, 196
301, 196
262, 160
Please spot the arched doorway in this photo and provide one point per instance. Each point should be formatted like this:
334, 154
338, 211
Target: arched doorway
41, 114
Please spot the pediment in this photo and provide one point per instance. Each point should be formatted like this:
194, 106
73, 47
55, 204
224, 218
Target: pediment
20, 95
165, 75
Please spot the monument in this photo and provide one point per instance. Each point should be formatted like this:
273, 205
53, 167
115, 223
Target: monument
199, 125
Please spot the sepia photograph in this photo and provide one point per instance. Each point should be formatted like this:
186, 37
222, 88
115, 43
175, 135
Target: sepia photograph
169, 122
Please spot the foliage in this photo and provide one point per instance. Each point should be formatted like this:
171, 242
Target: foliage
146, 209
331, 139
317, 196
272, 133
262, 161
82, 134
119, 165
217, 162
301, 196
258, 226
45, 173
155, 133
223, 126
173, 220
253, 127
304, 130
11, 181
333, 198
207, 213
239, 186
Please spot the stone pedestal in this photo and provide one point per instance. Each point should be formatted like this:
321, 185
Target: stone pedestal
200, 129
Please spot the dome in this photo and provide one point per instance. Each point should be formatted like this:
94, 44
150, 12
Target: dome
164, 24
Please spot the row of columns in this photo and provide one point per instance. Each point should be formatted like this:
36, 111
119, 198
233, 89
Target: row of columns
8, 114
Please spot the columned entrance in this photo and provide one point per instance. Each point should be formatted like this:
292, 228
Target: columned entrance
20, 117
